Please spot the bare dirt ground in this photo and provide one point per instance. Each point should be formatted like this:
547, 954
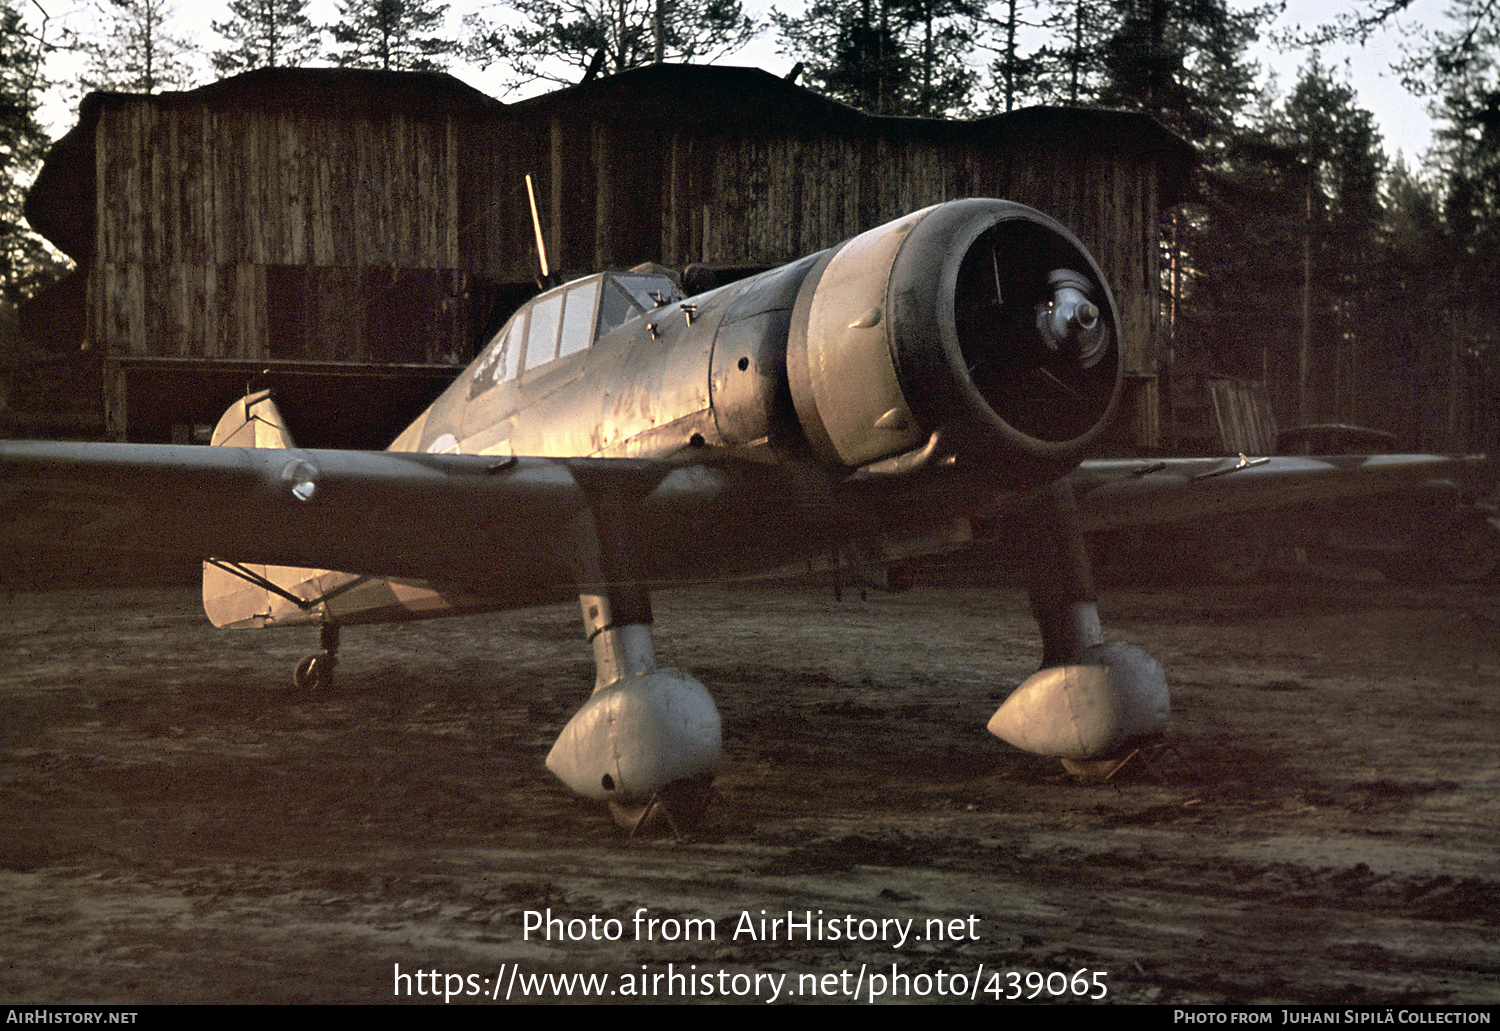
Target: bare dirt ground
1324, 826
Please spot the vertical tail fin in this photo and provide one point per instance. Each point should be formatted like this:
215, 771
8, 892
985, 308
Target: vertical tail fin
252, 421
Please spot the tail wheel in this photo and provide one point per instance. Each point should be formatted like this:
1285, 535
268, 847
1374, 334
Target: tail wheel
314, 673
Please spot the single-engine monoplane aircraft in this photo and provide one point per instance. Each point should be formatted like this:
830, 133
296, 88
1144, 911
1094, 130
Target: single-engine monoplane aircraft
869, 403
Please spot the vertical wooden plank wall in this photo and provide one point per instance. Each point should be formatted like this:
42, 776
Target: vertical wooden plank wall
197, 206
249, 232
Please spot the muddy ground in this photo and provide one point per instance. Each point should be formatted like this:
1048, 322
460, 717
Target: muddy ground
1323, 824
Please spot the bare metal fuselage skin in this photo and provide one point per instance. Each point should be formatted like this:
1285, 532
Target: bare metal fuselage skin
874, 390
853, 406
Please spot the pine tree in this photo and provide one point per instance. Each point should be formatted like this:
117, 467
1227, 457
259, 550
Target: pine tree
265, 34
559, 39
25, 262
853, 52
1067, 70
892, 57
1411, 300
1339, 164
1434, 57
1014, 75
1182, 61
1469, 144
1454, 349
943, 33
137, 54
1468, 157
392, 35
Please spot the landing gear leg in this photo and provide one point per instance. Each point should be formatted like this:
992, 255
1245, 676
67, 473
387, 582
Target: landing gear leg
315, 671
1060, 580
1089, 698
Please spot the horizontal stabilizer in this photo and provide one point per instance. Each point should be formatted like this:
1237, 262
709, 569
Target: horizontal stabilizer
241, 596
236, 595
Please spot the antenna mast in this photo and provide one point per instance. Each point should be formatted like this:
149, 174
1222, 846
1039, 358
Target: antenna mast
536, 226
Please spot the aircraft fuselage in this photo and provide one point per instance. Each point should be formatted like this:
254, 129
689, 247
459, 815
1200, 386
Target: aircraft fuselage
961, 352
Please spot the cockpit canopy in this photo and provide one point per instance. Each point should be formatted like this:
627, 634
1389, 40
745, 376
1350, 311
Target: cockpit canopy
567, 320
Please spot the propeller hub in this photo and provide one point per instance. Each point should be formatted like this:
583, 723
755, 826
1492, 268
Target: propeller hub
1069, 321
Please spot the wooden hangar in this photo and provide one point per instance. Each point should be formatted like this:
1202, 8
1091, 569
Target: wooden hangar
349, 237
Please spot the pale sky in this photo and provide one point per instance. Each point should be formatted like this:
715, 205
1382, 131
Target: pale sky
1403, 120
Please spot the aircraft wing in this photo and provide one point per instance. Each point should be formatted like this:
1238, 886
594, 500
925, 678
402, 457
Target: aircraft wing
386, 513
505, 528
479, 522
1138, 492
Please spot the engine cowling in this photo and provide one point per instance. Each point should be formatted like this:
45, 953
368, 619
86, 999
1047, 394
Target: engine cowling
981, 321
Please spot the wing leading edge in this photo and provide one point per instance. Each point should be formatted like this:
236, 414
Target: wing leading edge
1139, 492
451, 518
